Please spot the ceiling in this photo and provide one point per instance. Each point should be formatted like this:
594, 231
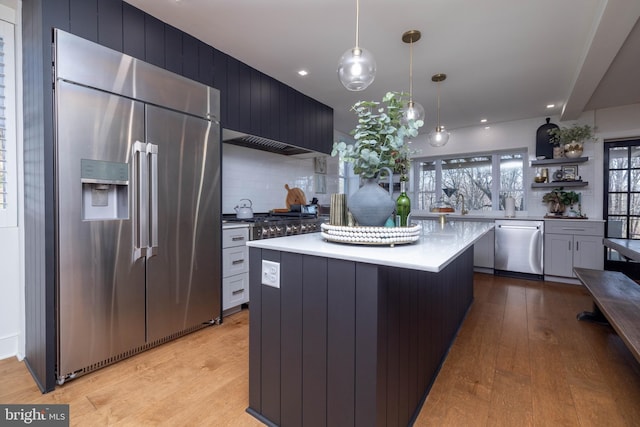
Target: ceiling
505, 60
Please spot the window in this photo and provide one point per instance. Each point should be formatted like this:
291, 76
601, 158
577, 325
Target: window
622, 180
621, 202
8, 174
484, 180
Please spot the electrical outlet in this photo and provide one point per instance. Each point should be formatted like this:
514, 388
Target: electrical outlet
271, 273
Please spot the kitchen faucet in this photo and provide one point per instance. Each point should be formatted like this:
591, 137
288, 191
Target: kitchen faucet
458, 197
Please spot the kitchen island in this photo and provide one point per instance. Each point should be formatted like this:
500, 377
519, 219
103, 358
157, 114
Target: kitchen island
354, 335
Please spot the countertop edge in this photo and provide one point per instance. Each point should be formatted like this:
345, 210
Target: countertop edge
433, 252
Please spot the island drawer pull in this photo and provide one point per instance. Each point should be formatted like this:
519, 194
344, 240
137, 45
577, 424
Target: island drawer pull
239, 291
237, 261
237, 238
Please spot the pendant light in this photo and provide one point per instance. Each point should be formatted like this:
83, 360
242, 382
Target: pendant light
439, 136
357, 67
413, 110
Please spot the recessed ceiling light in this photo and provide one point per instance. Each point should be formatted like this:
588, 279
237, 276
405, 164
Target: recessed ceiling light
551, 105
483, 121
487, 127
303, 73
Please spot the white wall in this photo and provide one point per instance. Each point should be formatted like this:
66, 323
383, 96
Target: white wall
619, 122
260, 176
11, 238
10, 293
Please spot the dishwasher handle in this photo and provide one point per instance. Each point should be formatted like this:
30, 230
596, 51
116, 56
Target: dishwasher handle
520, 227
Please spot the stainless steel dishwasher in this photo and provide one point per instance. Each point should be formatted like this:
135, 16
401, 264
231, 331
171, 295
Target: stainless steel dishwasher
519, 248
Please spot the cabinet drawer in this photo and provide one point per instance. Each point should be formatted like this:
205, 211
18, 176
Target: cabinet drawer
235, 290
234, 237
235, 261
579, 227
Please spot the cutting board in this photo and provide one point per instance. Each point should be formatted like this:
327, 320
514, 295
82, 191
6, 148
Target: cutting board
295, 196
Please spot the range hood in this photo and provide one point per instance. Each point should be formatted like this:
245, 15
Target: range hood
264, 144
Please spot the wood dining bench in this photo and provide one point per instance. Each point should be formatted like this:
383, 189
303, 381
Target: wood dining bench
616, 299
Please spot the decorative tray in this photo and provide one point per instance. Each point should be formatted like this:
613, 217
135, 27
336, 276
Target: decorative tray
371, 235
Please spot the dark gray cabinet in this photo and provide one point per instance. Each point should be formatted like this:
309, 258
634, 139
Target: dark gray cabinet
345, 343
132, 31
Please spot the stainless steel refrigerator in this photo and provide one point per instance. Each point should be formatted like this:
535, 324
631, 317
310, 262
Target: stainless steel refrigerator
137, 205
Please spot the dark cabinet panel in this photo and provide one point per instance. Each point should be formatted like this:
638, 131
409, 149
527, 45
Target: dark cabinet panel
154, 41
190, 53
314, 331
232, 119
206, 71
341, 330
291, 295
255, 104
273, 124
283, 111
244, 96
173, 49
83, 16
220, 76
110, 19
266, 113
290, 118
133, 38
308, 139
298, 119
327, 129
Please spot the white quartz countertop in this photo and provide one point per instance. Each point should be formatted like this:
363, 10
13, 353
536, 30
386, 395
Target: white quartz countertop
519, 217
437, 247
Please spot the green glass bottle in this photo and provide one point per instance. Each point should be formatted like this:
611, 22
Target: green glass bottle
403, 207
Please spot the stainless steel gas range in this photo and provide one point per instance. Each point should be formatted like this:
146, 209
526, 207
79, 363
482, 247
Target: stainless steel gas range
266, 226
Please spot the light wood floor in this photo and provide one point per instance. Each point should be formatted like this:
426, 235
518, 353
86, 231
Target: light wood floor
521, 358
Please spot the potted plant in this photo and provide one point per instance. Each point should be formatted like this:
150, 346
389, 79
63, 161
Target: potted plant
380, 144
379, 137
557, 200
571, 139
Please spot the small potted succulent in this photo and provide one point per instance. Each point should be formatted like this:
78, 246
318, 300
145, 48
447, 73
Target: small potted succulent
557, 200
571, 139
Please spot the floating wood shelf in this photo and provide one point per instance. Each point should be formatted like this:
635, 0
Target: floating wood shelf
561, 160
560, 184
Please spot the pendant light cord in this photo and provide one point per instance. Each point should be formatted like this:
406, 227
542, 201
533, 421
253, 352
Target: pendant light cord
438, 90
357, 22
411, 71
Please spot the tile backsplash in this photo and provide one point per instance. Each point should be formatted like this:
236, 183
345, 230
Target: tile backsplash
260, 176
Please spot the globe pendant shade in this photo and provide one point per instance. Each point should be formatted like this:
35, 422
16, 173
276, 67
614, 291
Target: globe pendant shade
356, 69
438, 137
412, 112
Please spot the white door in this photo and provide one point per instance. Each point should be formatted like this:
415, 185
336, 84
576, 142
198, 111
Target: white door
588, 252
558, 255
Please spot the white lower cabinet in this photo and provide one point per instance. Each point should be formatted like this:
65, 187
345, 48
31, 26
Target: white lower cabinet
235, 269
235, 291
569, 244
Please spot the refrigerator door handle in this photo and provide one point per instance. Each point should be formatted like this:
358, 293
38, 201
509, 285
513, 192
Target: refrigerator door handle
152, 155
140, 200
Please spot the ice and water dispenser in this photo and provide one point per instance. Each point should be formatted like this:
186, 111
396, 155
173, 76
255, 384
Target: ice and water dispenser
105, 190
